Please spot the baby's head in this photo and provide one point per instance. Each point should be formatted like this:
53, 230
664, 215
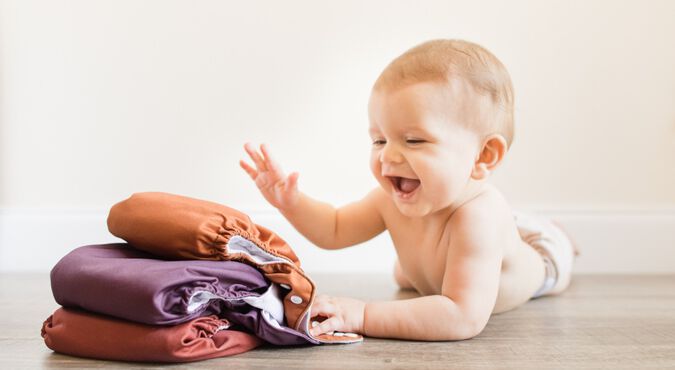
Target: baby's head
441, 119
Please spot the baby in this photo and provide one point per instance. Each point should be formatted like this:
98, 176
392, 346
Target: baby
441, 121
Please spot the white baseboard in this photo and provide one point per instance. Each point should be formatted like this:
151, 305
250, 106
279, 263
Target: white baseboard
611, 241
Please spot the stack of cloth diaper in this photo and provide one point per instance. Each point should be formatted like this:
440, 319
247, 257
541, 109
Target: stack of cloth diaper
194, 280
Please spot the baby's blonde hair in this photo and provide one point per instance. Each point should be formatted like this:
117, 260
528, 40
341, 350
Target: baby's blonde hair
442, 60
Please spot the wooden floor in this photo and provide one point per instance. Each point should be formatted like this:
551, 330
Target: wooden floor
611, 322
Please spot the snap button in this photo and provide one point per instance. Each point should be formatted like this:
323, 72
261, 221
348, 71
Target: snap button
295, 299
285, 286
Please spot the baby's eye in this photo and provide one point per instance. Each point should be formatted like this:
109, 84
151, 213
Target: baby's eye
414, 141
379, 142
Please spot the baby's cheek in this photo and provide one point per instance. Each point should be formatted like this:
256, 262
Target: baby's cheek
444, 186
376, 169
374, 166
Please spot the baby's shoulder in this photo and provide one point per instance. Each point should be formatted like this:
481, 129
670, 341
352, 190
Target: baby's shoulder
491, 197
488, 207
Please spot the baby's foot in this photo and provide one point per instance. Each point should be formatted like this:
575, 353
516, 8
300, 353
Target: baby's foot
565, 274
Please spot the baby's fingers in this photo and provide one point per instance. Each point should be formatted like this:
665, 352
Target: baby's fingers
249, 170
327, 326
269, 161
255, 156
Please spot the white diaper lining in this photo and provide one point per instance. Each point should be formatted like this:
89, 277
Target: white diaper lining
269, 302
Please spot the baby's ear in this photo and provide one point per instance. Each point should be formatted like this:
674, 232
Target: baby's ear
493, 150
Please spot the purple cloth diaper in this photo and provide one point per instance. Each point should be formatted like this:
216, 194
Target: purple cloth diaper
117, 280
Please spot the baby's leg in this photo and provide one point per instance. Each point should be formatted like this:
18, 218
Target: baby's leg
554, 245
400, 278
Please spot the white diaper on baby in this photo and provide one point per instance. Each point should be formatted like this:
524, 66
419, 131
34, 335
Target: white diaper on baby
552, 243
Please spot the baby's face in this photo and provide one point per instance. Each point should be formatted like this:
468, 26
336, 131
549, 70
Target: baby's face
422, 152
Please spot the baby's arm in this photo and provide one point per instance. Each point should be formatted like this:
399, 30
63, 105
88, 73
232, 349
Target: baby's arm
319, 222
461, 311
334, 228
469, 289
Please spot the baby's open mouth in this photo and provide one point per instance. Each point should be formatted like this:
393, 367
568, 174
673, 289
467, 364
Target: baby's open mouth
404, 184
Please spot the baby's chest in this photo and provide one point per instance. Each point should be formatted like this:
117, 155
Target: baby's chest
423, 261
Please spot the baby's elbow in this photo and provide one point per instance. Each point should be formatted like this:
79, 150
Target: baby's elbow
331, 246
472, 328
328, 245
332, 243
325, 242
467, 328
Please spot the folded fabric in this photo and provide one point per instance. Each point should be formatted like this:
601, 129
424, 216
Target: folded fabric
179, 227
85, 334
119, 281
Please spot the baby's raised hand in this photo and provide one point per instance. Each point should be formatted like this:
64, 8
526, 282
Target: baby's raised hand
279, 190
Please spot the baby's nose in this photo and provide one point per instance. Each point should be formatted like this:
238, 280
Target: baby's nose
390, 154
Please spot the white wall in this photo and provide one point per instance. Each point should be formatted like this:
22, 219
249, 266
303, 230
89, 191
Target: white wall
104, 98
